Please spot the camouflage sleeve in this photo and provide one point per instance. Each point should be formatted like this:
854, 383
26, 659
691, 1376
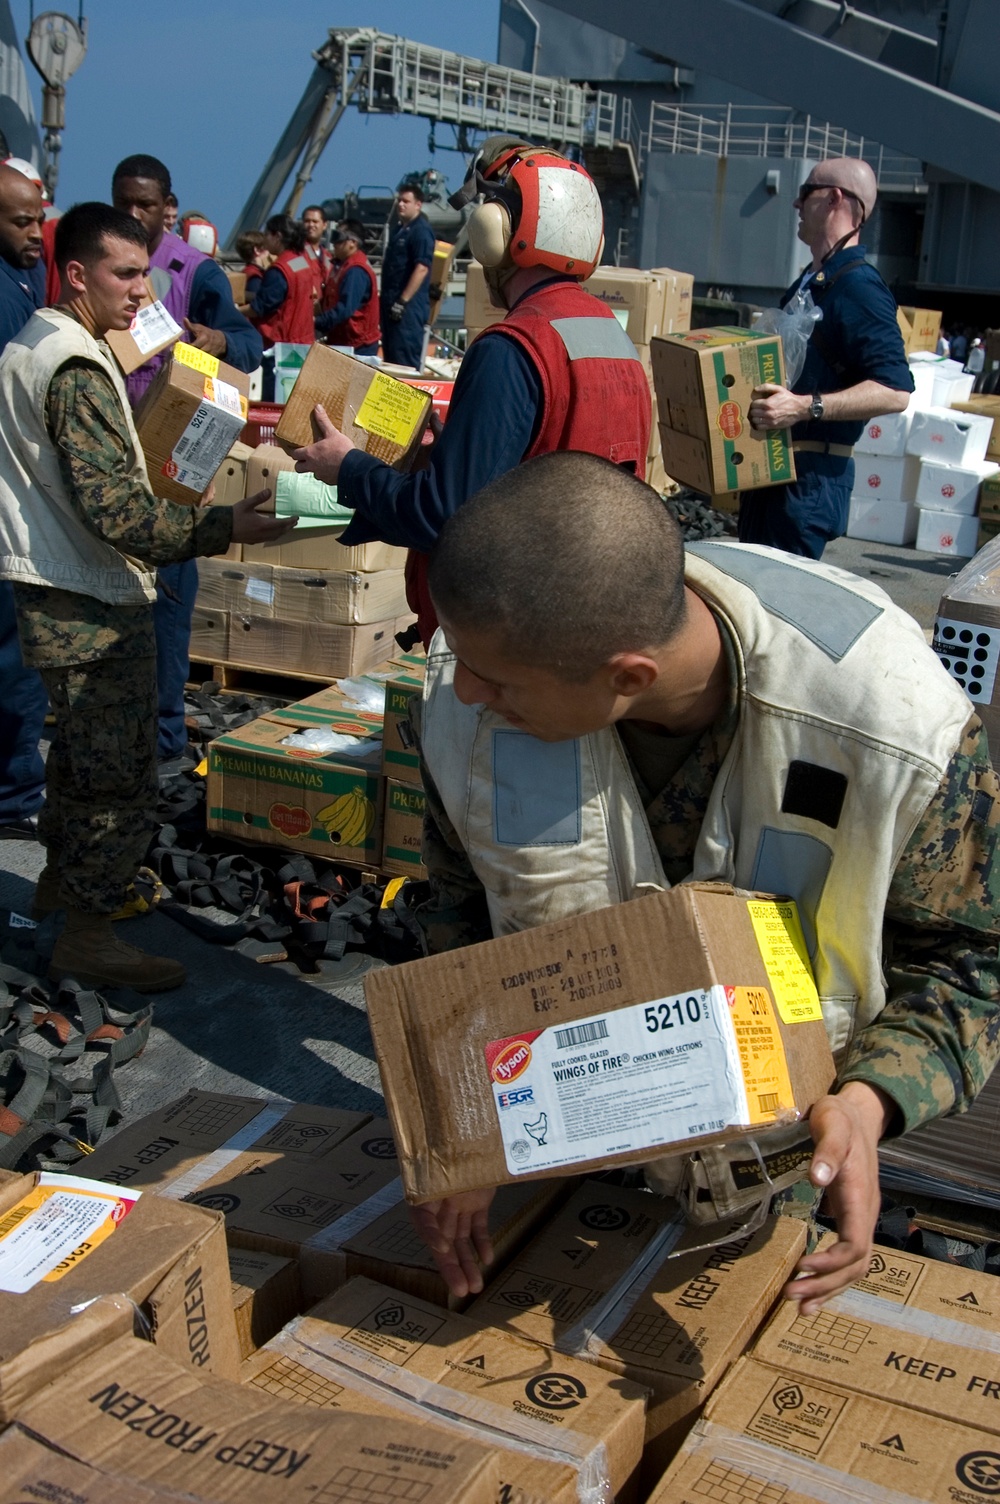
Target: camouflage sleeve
84, 418
936, 1041
455, 914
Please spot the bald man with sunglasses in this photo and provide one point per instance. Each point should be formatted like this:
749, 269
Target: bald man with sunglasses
855, 368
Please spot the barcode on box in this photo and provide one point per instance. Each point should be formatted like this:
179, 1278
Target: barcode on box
568, 1039
767, 1101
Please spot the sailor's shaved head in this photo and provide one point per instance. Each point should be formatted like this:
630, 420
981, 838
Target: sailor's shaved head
568, 560
855, 177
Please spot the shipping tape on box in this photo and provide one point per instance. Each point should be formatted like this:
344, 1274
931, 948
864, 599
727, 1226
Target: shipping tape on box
347, 1364
188, 1181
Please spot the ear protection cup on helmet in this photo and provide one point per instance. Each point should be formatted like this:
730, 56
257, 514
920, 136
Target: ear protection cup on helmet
489, 232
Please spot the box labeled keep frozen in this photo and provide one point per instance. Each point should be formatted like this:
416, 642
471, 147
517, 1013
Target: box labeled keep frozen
687, 1018
189, 420
703, 381
949, 437
952, 488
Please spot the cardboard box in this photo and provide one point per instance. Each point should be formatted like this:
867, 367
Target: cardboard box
949, 437
238, 287
259, 790
704, 380
403, 830
130, 1411
388, 1249
920, 328
224, 585
152, 329
967, 640
263, 464
677, 1329
92, 1262
380, 415
209, 635
479, 311
889, 477
985, 407
330, 708
774, 1437
989, 497
886, 435
639, 300
444, 253
231, 476
947, 533
31, 1471
402, 1348
400, 758
678, 298
873, 518
343, 599
189, 420
209, 1128
325, 552
318, 649
989, 527
266, 1295
952, 488
917, 1333
588, 1016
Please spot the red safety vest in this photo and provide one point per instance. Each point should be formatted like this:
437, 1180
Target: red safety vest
292, 322
362, 328
595, 395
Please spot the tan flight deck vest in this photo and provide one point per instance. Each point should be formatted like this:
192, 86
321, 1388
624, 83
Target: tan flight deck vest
43, 540
847, 718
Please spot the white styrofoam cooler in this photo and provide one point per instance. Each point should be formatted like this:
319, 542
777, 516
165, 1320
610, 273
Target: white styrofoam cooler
879, 521
890, 477
947, 533
887, 434
952, 488
951, 438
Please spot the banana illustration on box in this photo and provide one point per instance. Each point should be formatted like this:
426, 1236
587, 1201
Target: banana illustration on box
349, 819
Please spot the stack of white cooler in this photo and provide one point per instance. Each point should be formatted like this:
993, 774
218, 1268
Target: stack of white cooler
918, 472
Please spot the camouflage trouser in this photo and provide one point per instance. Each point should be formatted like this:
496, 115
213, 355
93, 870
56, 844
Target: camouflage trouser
100, 778
801, 1200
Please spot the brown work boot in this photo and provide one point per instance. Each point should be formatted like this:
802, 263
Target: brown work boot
89, 951
46, 900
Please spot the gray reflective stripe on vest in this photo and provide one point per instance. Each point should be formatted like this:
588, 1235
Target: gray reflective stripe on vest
830, 615
298, 264
595, 339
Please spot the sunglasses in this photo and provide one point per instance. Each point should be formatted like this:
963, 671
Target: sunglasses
808, 188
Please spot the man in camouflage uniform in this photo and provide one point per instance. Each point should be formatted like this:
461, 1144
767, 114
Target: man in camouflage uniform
78, 523
528, 628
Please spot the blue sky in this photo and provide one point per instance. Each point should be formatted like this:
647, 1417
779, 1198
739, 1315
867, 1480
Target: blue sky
208, 87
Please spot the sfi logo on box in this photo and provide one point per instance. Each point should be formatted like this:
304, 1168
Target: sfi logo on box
389, 1316
788, 1398
980, 1471
555, 1391
605, 1218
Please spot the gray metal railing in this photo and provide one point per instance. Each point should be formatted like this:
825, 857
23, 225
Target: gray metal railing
769, 131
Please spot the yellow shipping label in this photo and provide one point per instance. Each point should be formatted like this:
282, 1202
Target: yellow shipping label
59, 1222
198, 360
762, 1054
391, 410
783, 948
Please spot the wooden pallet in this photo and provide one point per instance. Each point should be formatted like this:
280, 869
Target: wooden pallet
248, 679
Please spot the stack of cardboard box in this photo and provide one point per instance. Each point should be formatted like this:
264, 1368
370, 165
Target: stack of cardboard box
889, 1391
647, 304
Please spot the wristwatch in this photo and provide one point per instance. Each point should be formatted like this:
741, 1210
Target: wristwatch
816, 406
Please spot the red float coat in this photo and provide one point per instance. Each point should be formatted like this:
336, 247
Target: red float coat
292, 323
595, 395
362, 328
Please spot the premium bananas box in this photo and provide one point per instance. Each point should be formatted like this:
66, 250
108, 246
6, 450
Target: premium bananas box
703, 382
372, 1350
130, 1412
610, 1038
262, 790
